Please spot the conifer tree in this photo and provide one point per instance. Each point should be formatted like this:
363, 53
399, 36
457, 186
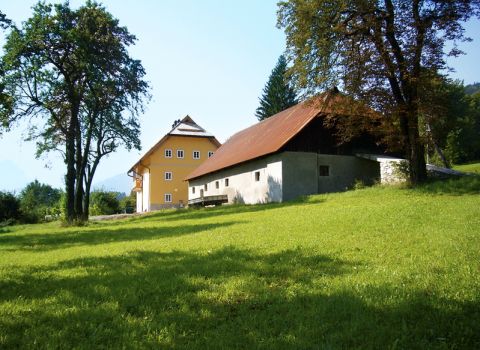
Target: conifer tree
277, 93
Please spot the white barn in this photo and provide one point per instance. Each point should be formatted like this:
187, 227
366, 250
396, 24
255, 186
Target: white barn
286, 156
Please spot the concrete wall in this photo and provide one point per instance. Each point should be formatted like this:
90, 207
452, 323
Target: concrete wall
301, 175
392, 170
286, 176
243, 188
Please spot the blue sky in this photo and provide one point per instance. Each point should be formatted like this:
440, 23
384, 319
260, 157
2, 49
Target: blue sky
208, 59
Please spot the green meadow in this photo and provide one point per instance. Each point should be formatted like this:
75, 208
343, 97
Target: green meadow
469, 168
374, 268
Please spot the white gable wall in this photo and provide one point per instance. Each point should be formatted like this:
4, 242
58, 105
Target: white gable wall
146, 191
242, 187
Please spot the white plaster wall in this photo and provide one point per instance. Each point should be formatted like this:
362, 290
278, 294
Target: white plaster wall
390, 170
146, 191
242, 185
139, 202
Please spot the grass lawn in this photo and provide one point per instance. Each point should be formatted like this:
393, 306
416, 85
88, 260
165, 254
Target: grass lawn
379, 268
468, 168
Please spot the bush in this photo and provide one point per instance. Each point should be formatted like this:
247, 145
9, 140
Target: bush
9, 208
128, 204
38, 200
104, 203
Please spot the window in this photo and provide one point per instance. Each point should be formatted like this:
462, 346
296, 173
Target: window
257, 176
168, 175
168, 198
196, 154
210, 153
168, 153
227, 182
193, 190
217, 184
323, 170
179, 153
205, 187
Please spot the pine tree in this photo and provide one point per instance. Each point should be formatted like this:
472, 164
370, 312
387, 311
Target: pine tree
277, 93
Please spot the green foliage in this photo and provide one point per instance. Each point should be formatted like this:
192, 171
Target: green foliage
9, 208
71, 69
376, 51
278, 93
128, 204
104, 203
39, 200
463, 139
378, 268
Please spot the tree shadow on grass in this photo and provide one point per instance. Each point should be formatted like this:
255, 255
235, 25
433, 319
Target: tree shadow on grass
229, 298
453, 186
99, 235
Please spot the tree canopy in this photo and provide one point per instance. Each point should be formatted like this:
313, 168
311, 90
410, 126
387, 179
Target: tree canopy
70, 71
38, 200
375, 51
278, 94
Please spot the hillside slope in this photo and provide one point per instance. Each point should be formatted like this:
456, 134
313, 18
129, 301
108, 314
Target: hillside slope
371, 268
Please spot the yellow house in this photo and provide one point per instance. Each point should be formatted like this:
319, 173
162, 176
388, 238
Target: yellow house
158, 177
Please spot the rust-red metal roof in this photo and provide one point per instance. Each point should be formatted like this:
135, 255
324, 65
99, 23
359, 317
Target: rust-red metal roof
265, 137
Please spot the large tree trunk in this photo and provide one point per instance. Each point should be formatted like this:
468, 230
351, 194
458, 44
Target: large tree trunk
86, 202
416, 152
88, 186
440, 153
79, 192
70, 176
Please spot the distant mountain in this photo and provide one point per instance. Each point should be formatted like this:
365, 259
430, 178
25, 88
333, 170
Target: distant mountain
118, 183
472, 88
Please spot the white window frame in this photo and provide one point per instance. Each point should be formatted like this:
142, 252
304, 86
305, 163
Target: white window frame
183, 153
168, 150
210, 153
168, 198
168, 176
193, 154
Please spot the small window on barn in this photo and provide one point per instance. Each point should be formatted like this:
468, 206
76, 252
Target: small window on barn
196, 154
205, 187
217, 184
323, 170
168, 153
168, 197
257, 176
227, 183
193, 190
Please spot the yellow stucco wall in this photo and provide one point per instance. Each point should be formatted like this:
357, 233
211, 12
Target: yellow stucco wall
179, 167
